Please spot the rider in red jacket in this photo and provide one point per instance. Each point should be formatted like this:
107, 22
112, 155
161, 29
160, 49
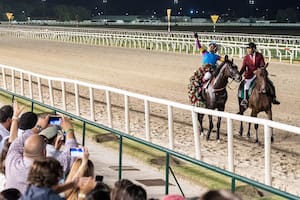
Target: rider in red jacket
251, 62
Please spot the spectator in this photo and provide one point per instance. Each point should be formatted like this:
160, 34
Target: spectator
23, 152
219, 195
19, 160
2, 164
7, 141
10, 194
54, 138
43, 181
43, 177
82, 167
26, 122
6, 115
119, 186
134, 192
173, 197
101, 191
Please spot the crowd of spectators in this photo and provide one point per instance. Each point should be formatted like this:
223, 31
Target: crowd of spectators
36, 164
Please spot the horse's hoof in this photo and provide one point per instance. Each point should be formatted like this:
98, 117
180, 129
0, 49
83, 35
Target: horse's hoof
241, 134
219, 141
272, 139
256, 141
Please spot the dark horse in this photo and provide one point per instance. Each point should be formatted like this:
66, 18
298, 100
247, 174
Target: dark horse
215, 95
259, 100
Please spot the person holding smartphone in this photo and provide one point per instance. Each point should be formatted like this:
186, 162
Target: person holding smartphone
82, 167
55, 136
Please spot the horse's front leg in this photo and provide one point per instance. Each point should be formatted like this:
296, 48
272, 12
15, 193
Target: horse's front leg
211, 126
218, 128
254, 114
200, 119
269, 113
219, 123
248, 132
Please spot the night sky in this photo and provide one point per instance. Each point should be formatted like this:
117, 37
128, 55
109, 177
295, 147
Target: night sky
209, 6
142, 7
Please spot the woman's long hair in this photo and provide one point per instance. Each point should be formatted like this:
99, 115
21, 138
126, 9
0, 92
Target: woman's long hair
86, 171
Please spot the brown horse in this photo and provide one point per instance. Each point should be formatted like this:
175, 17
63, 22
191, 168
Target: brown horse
215, 95
259, 100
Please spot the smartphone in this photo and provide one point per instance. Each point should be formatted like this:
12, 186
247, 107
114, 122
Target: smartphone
54, 120
76, 152
99, 178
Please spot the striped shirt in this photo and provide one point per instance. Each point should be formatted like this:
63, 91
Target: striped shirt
18, 166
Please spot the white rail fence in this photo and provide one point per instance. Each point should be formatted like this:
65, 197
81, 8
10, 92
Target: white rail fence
41, 88
275, 49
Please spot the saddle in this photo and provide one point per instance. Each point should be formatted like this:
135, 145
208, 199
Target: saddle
241, 89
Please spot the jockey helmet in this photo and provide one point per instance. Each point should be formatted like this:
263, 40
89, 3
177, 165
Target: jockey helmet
251, 45
214, 44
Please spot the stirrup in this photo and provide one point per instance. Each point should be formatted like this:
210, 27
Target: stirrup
244, 103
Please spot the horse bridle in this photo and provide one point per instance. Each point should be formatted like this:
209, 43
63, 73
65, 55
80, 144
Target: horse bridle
231, 76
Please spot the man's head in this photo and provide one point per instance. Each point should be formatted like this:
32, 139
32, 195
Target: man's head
6, 113
212, 47
27, 120
35, 147
251, 47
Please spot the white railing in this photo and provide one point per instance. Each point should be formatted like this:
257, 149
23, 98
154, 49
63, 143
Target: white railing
275, 48
23, 82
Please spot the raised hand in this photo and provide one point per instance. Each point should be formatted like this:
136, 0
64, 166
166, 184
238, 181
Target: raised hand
196, 35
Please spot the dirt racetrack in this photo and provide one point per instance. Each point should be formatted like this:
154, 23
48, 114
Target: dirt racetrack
165, 75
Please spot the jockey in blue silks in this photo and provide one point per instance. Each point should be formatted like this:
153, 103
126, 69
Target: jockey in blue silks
209, 58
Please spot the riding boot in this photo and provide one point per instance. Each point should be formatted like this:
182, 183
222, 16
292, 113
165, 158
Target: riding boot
273, 93
244, 102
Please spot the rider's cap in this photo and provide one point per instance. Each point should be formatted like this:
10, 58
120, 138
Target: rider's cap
251, 45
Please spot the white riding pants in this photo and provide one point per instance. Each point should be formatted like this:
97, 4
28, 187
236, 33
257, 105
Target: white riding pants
248, 83
207, 76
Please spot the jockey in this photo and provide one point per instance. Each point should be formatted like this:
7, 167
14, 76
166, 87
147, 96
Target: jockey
251, 62
209, 58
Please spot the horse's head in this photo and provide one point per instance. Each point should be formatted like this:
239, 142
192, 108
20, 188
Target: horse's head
231, 70
261, 78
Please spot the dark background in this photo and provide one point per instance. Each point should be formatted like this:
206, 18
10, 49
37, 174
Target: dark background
285, 11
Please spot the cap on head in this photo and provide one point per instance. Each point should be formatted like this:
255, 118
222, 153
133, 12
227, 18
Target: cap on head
50, 132
251, 45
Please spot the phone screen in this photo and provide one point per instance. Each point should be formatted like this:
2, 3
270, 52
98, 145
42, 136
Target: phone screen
54, 120
76, 152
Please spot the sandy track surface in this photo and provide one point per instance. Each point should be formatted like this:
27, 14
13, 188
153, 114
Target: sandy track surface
166, 75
